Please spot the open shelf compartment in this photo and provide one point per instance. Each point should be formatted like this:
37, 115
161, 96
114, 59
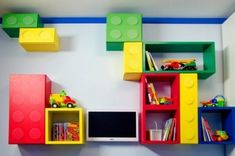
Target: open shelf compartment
166, 85
203, 52
218, 118
156, 121
64, 115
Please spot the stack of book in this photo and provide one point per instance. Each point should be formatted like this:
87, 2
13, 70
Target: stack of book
151, 93
169, 132
206, 131
151, 63
68, 131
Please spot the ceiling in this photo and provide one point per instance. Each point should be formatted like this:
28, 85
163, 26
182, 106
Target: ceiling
99, 8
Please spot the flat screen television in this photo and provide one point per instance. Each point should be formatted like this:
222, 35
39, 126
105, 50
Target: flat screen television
112, 126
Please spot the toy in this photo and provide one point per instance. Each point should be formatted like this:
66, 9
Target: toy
217, 101
220, 135
165, 100
177, 64
61, 100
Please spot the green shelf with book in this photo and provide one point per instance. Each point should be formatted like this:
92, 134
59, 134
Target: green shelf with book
179, 57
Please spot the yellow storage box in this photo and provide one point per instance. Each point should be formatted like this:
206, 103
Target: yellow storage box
39, 39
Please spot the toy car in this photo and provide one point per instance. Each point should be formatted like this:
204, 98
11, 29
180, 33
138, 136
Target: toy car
165, 100
61, 100
217, 101
220, 135
183, 64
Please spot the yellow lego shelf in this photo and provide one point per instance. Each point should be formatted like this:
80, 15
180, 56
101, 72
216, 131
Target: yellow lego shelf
39, 39
188, 109
58, 120
132, 58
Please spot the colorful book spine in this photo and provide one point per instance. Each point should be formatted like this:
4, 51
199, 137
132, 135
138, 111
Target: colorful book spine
155, 97
150, 65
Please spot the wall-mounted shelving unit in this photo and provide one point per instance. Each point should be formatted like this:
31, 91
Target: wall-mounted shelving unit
218, 118
165, 85
207, 49
64, 115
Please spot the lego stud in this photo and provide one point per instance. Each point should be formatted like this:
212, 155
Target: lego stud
35, 133
189, 83
28, 20
116, 34
132, 33
133, 64
190, 118
190, 100
11, 20
18, 116
44, 35
34, 99
28, 35
132, 50
35, 116
116, 20
132, 20
18, 100
17, 133
191, 133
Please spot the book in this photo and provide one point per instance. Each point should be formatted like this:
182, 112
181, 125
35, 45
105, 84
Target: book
73, 131
150, 65
149, 92
153, 61
171, 129
167, 129
155, 97
204, 130
174, 132
208, 130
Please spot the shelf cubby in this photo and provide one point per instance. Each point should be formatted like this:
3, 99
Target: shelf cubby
218, 118
204, 52
160, 117
64, 115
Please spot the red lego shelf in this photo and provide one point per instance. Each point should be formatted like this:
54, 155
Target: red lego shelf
159, 121
29, 96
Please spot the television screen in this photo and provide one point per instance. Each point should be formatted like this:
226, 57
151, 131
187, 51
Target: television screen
112, 126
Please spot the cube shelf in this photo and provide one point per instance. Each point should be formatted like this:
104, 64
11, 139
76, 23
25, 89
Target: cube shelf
64, 115
218, 118
166, 84
149, 118
160, 49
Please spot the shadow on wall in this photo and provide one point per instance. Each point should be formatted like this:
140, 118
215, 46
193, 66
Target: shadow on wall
186, 150
60, 150
66, 43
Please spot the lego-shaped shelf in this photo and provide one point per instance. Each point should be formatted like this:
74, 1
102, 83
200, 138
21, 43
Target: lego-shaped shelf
165, 85
167, 121
122, 27
64, 126
179, 50
39, 39
11, 22
29, 94
217, 118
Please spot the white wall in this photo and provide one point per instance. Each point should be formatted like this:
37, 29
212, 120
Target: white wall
94, 77
228, 32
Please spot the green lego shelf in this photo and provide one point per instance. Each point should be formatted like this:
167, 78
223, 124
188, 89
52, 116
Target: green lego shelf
12, 22
206, 49
122, 28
